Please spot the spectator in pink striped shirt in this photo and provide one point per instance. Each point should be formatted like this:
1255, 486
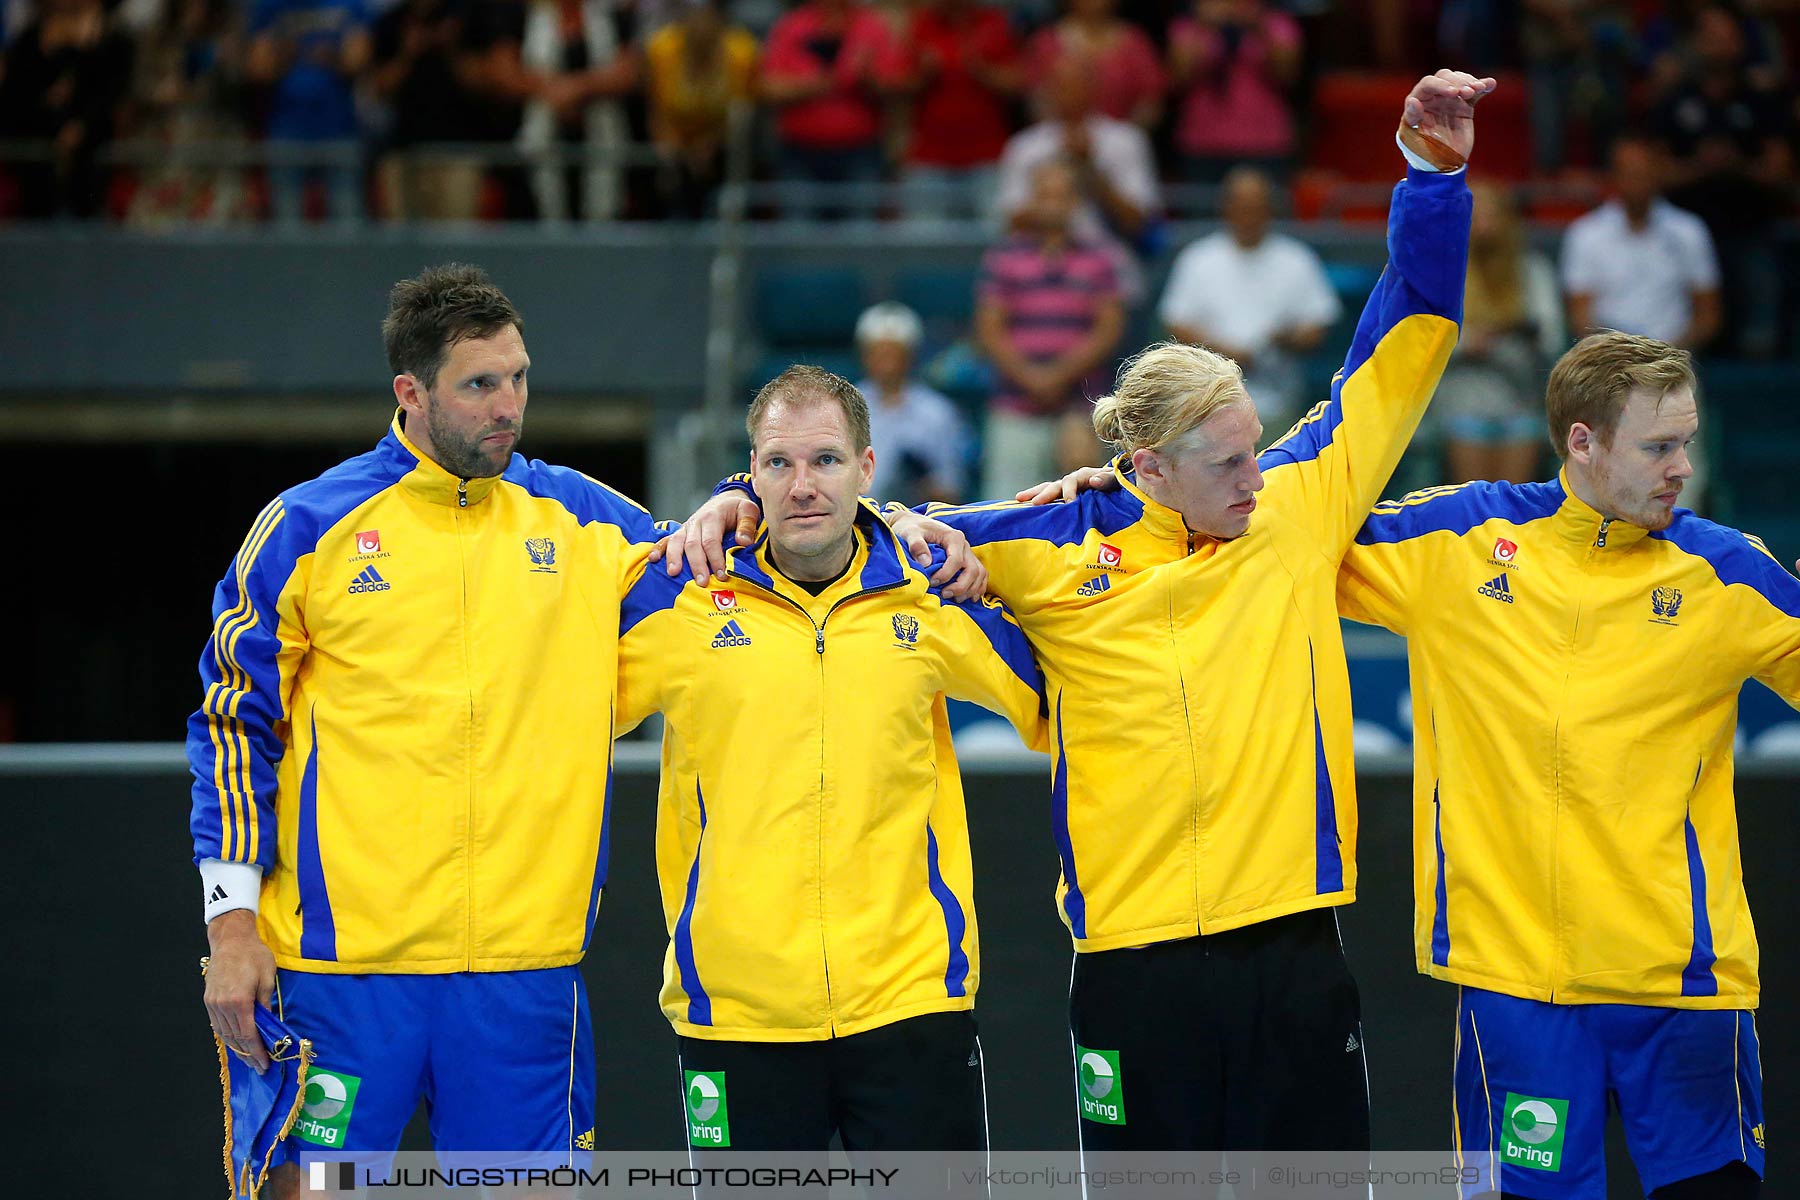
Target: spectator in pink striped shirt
1049, 316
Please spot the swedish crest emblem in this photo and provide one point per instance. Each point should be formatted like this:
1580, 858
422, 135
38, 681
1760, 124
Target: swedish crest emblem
906, 629
543, 554
1665, 602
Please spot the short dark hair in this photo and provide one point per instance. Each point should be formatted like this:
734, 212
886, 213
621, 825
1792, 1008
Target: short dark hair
435, 310
807, 384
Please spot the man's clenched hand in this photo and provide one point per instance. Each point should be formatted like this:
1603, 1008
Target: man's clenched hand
1438, 120
240, 974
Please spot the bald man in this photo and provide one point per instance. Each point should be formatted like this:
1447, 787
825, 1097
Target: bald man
1257, 297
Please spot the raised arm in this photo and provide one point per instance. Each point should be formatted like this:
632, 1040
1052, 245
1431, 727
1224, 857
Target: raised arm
1332, 466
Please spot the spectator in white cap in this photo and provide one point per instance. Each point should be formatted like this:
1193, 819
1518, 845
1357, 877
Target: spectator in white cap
921, 444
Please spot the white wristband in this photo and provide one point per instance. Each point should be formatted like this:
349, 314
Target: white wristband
229, 885
1422, 164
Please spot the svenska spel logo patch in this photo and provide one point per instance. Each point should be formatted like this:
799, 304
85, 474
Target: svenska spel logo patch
1111, 556
1504, 550
368, 542
724, 600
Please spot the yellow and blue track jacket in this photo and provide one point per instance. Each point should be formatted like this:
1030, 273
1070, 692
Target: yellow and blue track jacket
811, 840
1198, 696
1575, 688
408, 713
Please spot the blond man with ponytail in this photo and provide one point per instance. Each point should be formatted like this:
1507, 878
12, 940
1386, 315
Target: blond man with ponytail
1202, 795
1182, 419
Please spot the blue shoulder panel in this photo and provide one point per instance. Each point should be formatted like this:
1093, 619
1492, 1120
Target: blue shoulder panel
318, 504
1458, 510
998, 625
1060, 524
1734, 558
587, 500
655, 591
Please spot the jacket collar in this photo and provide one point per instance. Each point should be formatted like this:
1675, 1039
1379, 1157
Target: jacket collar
883, 566
1159, 519
424, 478
1578, 522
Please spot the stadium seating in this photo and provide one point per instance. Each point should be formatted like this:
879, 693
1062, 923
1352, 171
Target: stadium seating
944, 297
813, 306
807, 315
1353, 116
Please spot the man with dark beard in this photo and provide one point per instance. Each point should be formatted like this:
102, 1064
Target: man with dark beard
401, 764
399, 781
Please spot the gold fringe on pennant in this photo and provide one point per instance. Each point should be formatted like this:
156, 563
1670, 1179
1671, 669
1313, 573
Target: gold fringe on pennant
287, 1125
249, 1185
231, 1185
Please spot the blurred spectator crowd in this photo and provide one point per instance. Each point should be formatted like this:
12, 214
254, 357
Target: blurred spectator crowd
195, 110
1659, 132
1055, 307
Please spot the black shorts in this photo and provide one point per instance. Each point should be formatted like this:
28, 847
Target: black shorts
1245, 1040
912, 1085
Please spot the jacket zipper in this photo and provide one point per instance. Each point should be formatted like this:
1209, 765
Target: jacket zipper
462, 562
1187, 721
819, 649
1556, 814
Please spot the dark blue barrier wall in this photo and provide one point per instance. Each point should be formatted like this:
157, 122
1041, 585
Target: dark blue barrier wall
115, 1090
246, 310
618, 310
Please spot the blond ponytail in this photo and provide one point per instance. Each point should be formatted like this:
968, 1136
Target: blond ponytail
1165, 392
